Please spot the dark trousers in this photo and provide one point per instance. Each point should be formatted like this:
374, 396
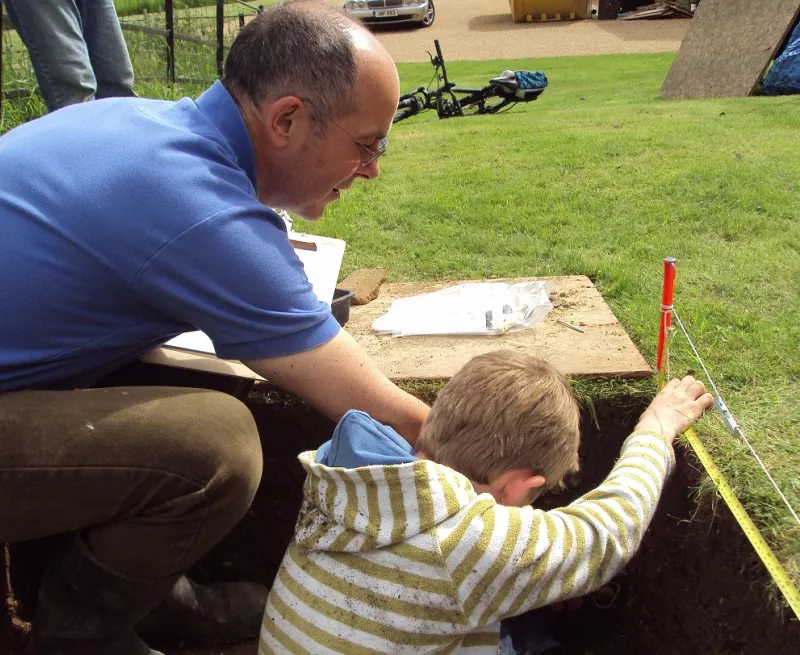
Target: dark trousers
529, 634
152, 476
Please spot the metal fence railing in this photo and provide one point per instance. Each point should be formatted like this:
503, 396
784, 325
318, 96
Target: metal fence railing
15, 67
177, 43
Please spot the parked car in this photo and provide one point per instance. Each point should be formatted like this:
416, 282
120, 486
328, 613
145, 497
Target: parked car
383, 12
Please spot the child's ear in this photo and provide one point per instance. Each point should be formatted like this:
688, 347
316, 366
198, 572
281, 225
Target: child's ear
515, 487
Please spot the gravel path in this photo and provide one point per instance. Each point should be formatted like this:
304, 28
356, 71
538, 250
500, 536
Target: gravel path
484, 29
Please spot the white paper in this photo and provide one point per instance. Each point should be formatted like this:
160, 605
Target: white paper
197, 341
322, 266
472, 308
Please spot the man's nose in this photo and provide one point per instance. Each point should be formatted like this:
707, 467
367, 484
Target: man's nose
370, 171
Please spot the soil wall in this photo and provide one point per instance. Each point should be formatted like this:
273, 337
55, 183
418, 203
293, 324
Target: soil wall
694, 587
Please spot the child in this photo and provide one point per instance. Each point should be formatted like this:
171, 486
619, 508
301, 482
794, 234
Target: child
426, 551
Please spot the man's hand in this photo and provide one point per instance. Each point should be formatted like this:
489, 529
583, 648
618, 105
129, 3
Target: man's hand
338, 376
676, 407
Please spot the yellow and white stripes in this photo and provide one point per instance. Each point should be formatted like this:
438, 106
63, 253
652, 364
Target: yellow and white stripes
408, 559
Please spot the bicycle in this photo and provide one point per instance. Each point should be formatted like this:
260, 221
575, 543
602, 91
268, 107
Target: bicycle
450, 100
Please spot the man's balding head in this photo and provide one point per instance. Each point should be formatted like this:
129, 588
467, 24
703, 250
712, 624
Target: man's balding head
307, 49
318, 93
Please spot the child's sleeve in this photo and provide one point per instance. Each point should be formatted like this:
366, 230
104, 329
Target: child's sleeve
505, 561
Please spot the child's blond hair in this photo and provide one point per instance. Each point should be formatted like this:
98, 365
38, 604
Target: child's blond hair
502, 411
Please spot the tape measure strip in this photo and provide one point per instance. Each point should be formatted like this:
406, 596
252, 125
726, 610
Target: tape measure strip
761, 547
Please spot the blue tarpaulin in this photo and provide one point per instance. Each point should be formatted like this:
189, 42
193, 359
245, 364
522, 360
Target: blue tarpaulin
784, 76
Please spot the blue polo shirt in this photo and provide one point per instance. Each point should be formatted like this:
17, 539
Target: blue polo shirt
124, 222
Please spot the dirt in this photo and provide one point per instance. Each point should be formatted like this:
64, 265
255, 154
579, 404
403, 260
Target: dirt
694, 587
484, 29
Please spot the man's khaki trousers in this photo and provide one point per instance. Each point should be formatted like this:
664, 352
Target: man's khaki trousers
152, 476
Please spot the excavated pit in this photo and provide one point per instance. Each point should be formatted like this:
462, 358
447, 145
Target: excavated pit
695, 585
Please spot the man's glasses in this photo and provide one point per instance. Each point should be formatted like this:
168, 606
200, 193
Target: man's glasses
372, 155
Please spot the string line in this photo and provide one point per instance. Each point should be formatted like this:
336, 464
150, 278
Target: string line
730, 422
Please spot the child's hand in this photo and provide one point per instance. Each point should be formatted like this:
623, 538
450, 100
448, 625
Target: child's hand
676, 407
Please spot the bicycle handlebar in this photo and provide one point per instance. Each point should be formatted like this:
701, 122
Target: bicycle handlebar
440, 60
438, 49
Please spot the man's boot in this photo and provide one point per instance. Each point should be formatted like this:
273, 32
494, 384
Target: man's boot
86, 608
222, 612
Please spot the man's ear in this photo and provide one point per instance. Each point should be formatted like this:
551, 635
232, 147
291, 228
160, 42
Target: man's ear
282, 120
512, 488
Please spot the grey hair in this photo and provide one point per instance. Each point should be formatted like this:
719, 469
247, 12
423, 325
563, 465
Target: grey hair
301, 48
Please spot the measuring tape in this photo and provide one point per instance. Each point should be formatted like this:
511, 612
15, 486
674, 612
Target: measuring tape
761, 547
758, 542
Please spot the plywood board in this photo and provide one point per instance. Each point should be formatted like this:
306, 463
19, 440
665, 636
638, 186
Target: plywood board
603, 350
198, 361
728, 47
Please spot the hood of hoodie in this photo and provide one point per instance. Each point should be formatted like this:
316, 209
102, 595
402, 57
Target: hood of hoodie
360, 440
365, 489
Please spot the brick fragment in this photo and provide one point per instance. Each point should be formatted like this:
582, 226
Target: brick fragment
365, 283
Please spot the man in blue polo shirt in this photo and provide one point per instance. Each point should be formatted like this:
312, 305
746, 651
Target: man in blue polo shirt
126, 222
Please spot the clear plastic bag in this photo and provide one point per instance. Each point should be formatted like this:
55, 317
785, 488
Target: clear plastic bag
472, 308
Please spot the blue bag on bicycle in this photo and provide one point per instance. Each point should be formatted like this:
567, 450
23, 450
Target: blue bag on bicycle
520, 86
531, 79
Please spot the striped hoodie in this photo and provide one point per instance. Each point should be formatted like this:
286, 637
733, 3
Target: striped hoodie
407, 558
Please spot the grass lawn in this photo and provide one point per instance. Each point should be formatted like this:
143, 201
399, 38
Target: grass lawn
599, 177
131, 7
187, 8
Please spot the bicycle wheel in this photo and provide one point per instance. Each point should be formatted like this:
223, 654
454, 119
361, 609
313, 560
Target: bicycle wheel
496, 107
408, 106
480, 101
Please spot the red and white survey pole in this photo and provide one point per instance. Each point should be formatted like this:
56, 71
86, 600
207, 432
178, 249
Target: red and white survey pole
667, 294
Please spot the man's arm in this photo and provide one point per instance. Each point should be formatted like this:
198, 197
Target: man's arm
339, 376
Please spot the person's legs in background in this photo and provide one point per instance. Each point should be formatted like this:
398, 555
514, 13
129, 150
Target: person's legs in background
107, 50
52, 32
76, 48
